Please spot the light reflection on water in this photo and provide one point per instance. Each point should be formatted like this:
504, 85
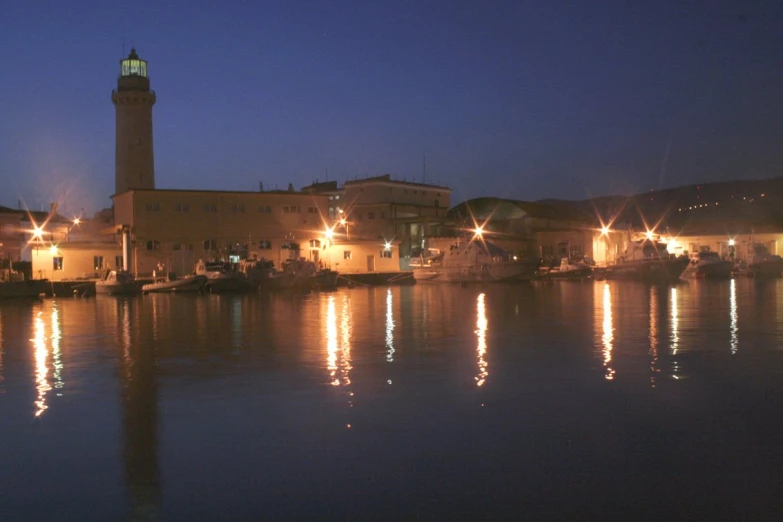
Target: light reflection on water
733, 315
2, 388
653, 334
481, 333
608, 332
389, 326
41, 369
251, 387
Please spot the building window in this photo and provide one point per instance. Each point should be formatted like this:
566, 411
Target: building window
386, 253
118, 262
97, 262
187, 246
337, 197
331, 213
153, 245
265, 209
371, 215
181, 207
331, 198
346, 254
293, 209
176, 246
314, 243
312, 210
57, 263
264, 245
210, 244
153, 206
238, 208
210, 208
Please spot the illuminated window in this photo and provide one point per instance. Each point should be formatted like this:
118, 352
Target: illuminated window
346, 254
386, 253
97, 262
57, 263
153, 245
153, 207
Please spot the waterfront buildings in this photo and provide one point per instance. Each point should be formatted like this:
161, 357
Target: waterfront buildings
367, 225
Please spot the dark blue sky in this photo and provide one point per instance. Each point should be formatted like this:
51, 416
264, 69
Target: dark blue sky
519, 99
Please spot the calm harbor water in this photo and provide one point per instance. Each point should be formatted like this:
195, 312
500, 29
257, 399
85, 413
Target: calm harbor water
561, 401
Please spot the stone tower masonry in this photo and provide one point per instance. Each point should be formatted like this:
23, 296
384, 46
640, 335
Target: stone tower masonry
134, 163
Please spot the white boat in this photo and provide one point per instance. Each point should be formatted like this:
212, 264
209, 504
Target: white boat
474, 261
172, 283
117, 282
647, 261
707, 265
221, 277
567, 270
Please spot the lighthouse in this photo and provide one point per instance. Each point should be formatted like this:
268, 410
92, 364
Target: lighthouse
134, 161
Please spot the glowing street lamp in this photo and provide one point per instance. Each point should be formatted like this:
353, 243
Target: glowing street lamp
387, 246
53, 250
604, 230
649, 235
329, 233
478, 232
37, 232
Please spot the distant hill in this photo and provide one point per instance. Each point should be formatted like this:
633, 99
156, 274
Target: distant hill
730, 207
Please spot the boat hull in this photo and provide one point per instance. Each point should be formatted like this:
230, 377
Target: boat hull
494, 273
653, 270
21, 289
571, 274
716, 270
117, 288
768, 268
185, 284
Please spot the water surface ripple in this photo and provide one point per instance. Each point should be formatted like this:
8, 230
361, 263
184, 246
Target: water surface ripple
561, 401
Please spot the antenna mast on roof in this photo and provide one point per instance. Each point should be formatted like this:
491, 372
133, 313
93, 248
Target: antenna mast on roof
424, 173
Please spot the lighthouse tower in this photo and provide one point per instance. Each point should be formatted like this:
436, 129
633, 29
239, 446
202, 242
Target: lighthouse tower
134, 162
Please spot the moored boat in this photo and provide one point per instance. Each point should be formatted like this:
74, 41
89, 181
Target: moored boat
566, 270
221, 277
117, 282
172, 283
647, 261
762, 263
707, 265
473, 261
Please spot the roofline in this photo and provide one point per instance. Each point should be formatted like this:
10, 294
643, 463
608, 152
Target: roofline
243, 192
395, 182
